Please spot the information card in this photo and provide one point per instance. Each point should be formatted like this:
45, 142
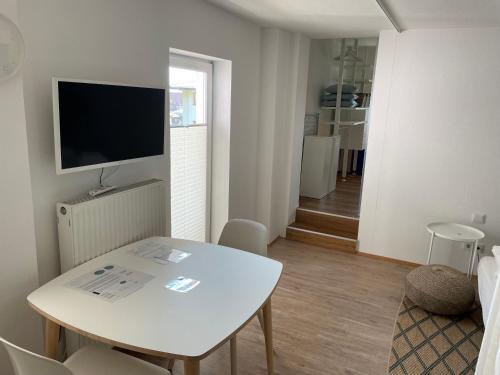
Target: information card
110, 282
160, 253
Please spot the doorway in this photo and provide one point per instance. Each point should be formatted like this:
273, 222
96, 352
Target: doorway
337, 123
335, 141
190, 86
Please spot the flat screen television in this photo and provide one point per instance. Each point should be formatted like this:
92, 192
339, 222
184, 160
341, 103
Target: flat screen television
99, 124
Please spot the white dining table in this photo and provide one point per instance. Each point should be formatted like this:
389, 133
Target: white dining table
234, 286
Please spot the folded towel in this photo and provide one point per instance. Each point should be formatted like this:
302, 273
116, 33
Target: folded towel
346, 89
328, 96
344, 103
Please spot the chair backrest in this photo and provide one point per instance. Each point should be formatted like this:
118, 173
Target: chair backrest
245, 235
25, 362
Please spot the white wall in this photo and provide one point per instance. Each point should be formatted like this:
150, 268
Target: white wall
128, 41
433, 149
221, 147
267, 121
284, 67
322, 71
18, 268
300, 68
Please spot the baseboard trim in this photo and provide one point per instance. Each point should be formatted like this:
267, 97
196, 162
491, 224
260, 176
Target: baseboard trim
400, 262
390, 260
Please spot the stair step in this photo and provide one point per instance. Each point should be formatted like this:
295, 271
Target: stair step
325, 222
322, 229
326, 240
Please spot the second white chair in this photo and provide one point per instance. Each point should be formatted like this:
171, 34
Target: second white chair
249, 236
90, 360
246, 235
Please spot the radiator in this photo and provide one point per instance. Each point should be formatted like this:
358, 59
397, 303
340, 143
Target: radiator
89, 227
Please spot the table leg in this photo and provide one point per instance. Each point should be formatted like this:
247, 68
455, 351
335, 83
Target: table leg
191, 366
268, 334
234, 358
260, 316
170, 366
51, 338
430, 248
471, 261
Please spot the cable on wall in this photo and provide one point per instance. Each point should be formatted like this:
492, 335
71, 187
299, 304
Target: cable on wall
101, 179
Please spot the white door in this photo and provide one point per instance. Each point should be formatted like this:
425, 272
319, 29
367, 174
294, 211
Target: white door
190, 83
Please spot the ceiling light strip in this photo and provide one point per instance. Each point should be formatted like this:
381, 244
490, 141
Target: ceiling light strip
389, 15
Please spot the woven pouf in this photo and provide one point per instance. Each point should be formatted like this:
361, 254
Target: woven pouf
440, 289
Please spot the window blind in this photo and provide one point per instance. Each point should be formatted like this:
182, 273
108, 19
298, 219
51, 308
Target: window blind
189, 182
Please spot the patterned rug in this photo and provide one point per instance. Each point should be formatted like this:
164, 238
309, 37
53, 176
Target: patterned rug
425, 343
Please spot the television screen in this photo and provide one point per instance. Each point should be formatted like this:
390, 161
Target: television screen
100, 125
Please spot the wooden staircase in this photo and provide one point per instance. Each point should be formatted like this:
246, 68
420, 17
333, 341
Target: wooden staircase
323, 229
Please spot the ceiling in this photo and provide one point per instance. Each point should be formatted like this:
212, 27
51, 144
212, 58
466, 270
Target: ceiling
316, 18
444, 14
321, 19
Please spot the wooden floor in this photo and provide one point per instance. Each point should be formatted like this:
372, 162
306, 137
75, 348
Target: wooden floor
333, 313
345, 200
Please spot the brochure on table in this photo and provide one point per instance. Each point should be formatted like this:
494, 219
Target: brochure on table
111, 282
160, 253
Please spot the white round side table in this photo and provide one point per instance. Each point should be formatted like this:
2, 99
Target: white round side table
456, 232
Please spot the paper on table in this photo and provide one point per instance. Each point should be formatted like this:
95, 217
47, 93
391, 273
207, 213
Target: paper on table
182, 284
160, 253
110, 282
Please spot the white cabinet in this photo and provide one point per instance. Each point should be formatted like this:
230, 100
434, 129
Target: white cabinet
354, 137
320, 160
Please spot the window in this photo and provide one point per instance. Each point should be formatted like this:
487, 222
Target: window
190, 151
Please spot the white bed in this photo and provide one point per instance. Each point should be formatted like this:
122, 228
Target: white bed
487, 271
489, 295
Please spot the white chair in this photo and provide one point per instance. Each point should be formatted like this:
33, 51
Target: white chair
245, 235
90, 360
249, 236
